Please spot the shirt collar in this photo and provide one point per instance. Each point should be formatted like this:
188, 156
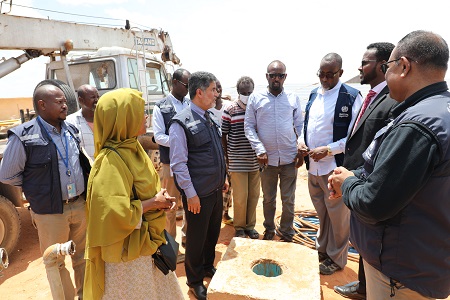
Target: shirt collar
172, 97
379, 87
270, 94
51, 128
197, 109
333, 90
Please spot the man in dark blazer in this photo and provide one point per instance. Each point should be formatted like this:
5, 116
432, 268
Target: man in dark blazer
373, 115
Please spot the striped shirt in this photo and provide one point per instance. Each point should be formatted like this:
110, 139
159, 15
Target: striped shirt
241, 156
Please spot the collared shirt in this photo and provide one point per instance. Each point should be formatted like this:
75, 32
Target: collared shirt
179, 155
377, 89
159, 128
86, 136
14, 159
272, 124
218, 113
320, 128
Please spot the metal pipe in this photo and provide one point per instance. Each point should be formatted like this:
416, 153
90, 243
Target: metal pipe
4, 261
50, 257
13, 64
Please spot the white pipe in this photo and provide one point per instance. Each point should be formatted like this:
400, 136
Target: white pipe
50, 257
4, 261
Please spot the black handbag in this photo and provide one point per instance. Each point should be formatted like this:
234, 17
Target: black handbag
165, 257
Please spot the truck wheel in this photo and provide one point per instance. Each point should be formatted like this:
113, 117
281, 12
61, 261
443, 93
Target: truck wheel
72, 103
9, 225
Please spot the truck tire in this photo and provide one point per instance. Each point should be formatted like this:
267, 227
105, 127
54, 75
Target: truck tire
72, 103
9, 225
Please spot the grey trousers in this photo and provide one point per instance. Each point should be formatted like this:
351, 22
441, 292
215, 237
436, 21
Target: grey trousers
334, 217
287, 174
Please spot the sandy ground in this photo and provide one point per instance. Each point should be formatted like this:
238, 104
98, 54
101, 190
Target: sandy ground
26, 279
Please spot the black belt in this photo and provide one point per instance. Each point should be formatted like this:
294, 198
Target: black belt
73, 199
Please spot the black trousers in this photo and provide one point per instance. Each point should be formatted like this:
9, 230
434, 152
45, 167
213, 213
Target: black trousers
361, 277
201, 236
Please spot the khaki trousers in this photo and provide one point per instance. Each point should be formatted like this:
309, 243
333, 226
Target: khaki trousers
168, 183
60, 228
378, 287
246, 187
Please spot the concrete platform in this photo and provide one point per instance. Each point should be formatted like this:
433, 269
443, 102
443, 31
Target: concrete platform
290, 271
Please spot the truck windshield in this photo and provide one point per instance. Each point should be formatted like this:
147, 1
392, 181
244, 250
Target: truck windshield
101, 74
154, 79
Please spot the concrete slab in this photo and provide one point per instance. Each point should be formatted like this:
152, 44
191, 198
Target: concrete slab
295, 269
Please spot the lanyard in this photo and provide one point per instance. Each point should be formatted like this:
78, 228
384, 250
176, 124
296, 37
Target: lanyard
66, 160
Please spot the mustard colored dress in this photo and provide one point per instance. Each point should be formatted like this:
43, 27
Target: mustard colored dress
118, 244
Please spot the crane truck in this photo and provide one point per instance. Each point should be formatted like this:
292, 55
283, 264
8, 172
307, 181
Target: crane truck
104, 57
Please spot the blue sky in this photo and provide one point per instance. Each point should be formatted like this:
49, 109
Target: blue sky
231, 38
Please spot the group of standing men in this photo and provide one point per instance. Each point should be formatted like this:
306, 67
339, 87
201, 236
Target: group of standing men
392, 203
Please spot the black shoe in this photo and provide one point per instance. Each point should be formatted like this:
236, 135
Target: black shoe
350, 291
210, 273
323, 256
199, 291
268, 235
253, 234
328, 267
284, 238
240, 233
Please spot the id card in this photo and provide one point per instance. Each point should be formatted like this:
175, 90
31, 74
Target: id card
71, 190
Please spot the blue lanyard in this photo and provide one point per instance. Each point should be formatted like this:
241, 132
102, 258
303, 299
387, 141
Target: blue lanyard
66, 160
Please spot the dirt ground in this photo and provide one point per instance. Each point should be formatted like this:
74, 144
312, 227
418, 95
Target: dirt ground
25, 277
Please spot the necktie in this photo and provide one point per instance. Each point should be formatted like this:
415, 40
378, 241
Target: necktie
208, 118
364, 106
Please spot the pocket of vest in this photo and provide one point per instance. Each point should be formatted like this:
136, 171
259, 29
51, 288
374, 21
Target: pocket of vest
200, 135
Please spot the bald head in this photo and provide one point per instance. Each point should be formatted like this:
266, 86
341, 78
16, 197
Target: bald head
276, 64
44, 93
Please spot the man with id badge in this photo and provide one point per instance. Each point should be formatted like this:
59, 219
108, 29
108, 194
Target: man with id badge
42, 156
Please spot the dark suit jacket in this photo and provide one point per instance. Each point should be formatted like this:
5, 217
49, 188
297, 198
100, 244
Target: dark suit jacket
374, 119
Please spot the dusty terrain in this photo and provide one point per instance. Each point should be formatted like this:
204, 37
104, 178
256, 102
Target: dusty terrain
25, 278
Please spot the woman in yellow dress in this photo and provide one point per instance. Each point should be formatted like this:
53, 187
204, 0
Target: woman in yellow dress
124, 229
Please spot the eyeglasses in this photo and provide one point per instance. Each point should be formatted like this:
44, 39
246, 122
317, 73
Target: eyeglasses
186, 85
365, 62
385, 67
328, 75
279, 75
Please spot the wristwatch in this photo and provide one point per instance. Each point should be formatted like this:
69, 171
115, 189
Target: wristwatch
329, 151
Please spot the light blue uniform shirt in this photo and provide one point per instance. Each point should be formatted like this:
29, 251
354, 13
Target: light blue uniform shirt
272, 125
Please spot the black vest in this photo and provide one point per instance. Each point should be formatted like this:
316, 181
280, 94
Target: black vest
168, 112
41, 184
342, 116
206, 161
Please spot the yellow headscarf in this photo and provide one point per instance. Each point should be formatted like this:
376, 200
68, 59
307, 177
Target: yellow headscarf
112, 212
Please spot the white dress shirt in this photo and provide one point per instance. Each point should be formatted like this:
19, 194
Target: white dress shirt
320, 128
159, 128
